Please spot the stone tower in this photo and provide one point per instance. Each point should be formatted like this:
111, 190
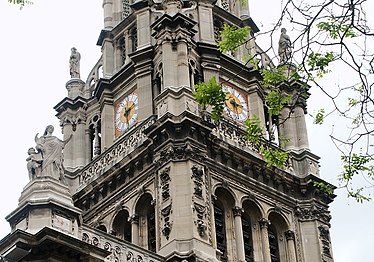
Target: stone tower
149, 176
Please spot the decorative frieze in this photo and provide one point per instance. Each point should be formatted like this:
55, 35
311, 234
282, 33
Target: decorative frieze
313, 212
179, 153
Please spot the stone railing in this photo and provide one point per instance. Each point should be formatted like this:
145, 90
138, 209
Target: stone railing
233, 134
125, 145
120, 250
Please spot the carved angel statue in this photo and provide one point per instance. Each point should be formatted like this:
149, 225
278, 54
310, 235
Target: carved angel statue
34, 163
50, 149
284, 48
74, 63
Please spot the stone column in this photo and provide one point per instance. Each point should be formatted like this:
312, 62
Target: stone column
108, 14
290, 237
108, 57
302, 134
79, 143
168, 64
287, 128
264, 223
107, 124
183, 70
134, 219
239, 233
256, 107
88, 146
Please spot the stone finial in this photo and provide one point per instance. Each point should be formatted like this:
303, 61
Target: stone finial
284, 47
48, 155
74, 63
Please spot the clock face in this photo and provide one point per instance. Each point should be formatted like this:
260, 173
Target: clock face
236, 104
127, 112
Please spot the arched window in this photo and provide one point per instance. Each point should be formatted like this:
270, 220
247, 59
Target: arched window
94, 134
121, 226
219, 222
247, 237
251, 234
224, 223
276, 229
273, 243
134, 39
147, 222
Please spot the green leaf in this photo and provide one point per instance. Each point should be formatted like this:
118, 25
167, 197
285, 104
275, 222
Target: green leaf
275, 101
326, 188
319, 62
274, 156
254, 130
336, 28
320, 117
232, 37
211, 94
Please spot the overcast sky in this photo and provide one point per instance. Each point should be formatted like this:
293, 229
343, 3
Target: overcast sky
34, 54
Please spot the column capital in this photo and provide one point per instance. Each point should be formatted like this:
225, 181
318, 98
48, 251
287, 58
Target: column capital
264, 222
290, 235
238, 211
134, 219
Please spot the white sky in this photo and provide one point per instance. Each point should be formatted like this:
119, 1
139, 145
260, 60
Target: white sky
34, 52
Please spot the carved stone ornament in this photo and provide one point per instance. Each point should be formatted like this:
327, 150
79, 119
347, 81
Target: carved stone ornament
164, 183
314, 212
198, 179
290, 235
179, 153
324, 235
264, 223
238, 211
167, 223
200, 214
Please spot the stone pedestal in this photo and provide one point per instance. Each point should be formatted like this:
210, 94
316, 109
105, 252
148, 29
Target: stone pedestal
45, 202
75, 87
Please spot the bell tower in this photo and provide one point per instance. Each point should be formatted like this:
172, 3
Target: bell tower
153, 177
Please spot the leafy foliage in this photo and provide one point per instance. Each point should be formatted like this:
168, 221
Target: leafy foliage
21, 3
336, 28
320, 116
275, 101
326, 188
319, 62
354, 165
232, 38
254, 130
274, 156
211, 94
273, 77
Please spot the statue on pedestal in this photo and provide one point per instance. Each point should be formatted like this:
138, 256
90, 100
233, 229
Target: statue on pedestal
74, 63
284, 48
48, 159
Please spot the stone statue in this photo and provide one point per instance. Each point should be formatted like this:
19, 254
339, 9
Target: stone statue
74, 62
34, 163
51, 148
284, 48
